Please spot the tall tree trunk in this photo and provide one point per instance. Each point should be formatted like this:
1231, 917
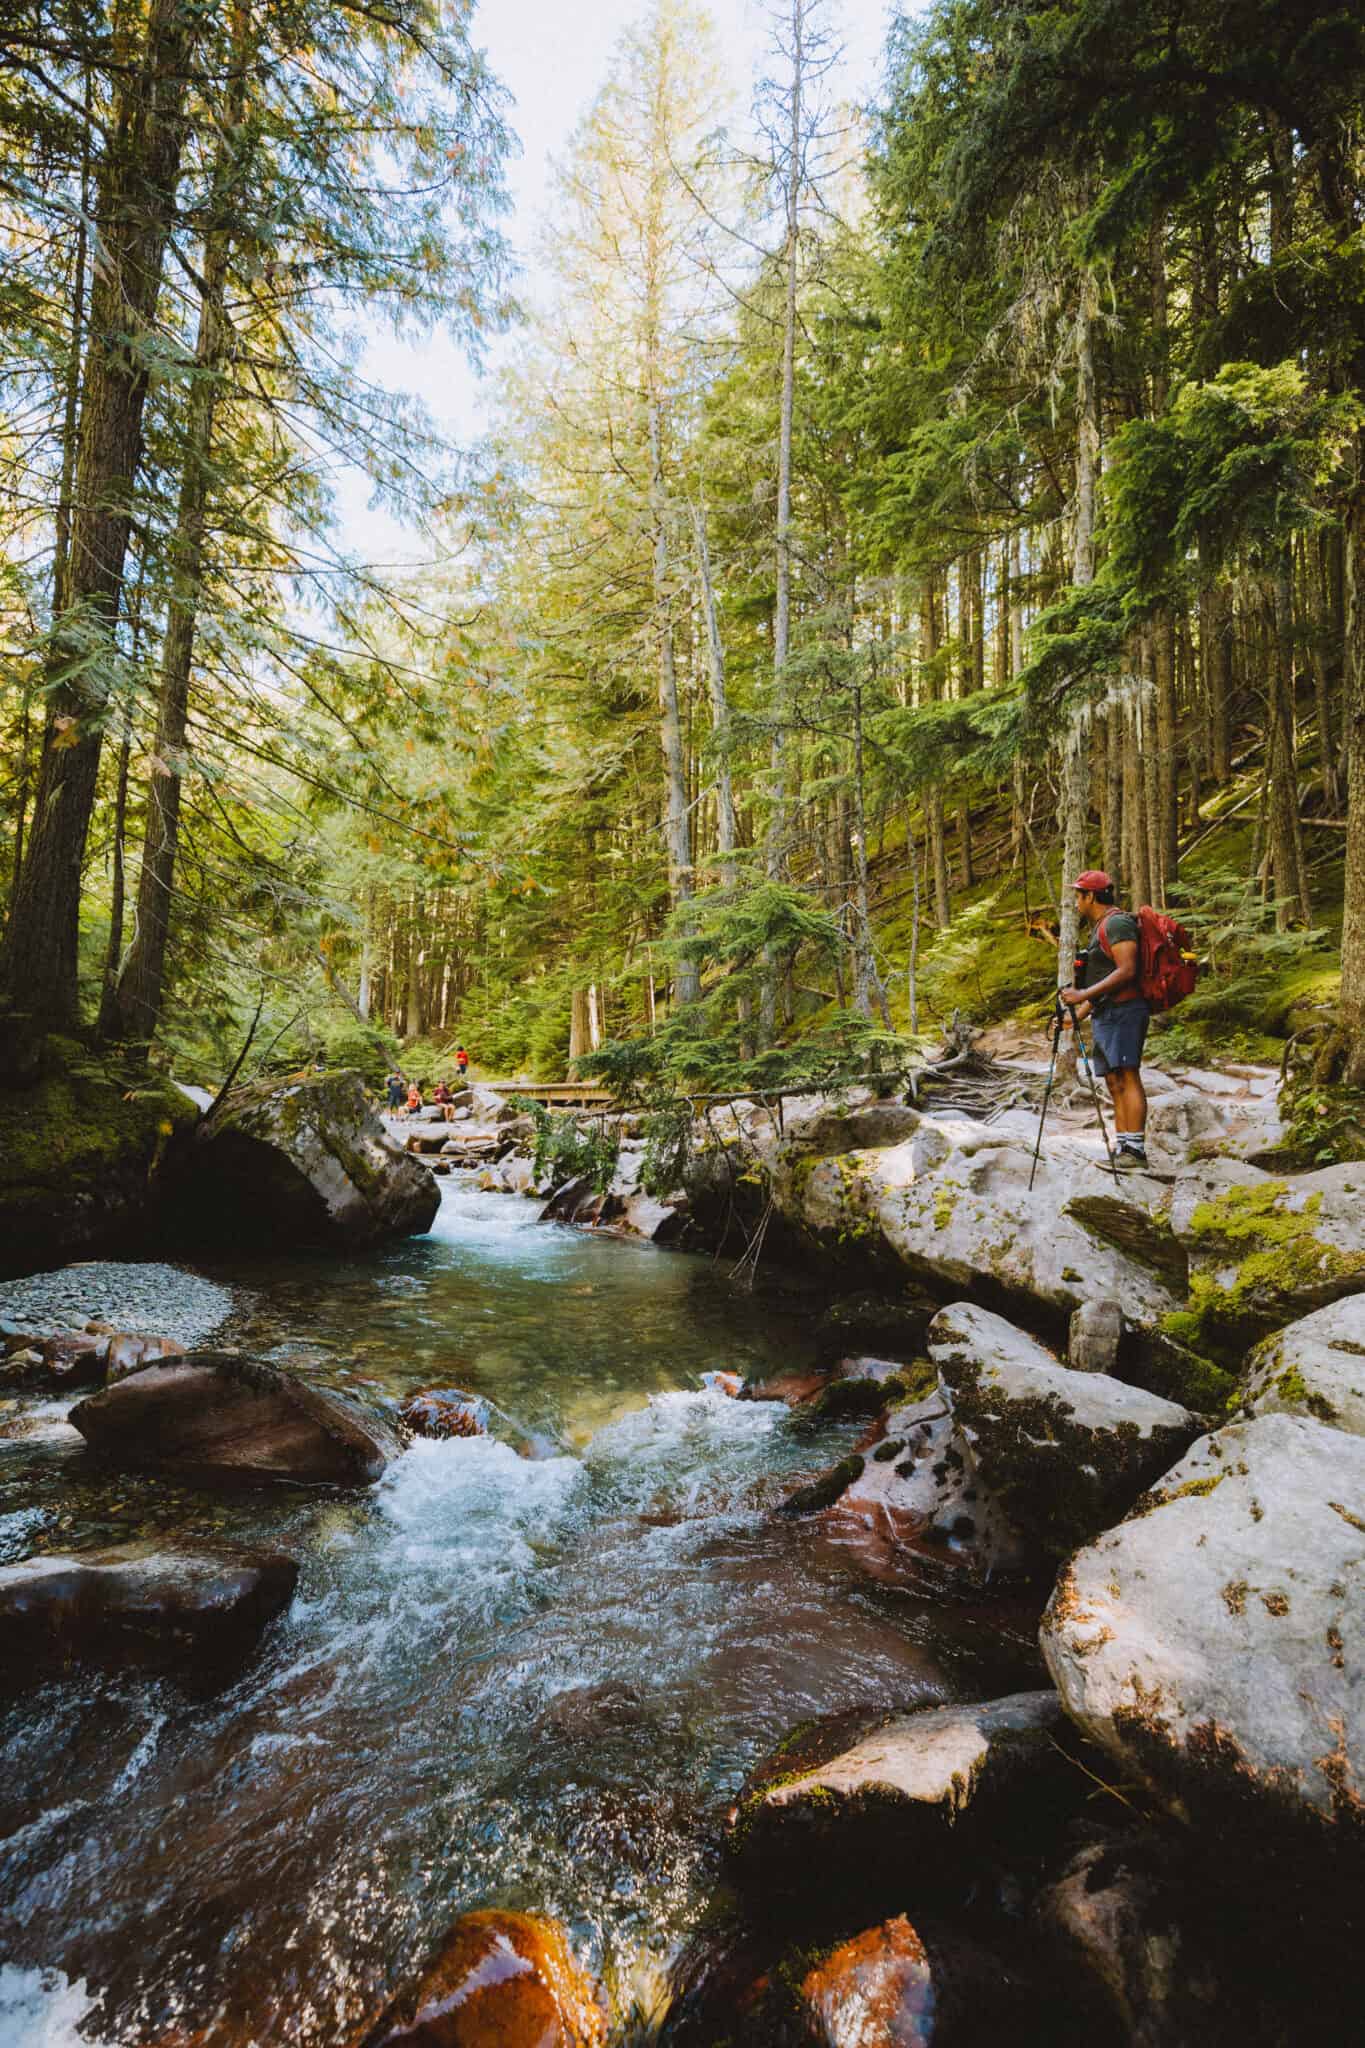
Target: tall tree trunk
1075, 777
727, 829
113, 951
1286, 832
677, 832
365, 997
580, 1023
775, 856
933, 800
141, 984
38, 970
1353, 927
869, 989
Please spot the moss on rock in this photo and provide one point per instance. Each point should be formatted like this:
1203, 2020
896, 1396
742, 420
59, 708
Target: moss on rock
83, 1145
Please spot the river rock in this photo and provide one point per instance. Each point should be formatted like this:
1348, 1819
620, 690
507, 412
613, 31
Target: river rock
64, 1363
1062, 1452
1263, 1251
445, 1412
658, 1222
1213, 1641
896, 1984
498, 1980
216, 1415
1095, 1337
918, 1495
307, 1162
940, 1779
951, 1206
139, 1602
893, 1986
1124, 1914
1316, 1367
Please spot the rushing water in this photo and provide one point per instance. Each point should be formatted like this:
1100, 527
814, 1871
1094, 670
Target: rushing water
534, 1681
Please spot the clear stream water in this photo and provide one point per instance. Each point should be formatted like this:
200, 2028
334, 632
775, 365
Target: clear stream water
534, 1682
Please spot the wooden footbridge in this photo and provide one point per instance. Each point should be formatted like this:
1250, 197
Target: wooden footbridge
554, 1094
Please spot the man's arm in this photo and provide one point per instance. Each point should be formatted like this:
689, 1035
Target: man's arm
1125, 970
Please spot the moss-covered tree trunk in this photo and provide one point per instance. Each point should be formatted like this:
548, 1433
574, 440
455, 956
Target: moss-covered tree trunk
135, 206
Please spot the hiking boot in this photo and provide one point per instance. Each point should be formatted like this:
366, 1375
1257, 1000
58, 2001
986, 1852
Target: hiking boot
1132, 1155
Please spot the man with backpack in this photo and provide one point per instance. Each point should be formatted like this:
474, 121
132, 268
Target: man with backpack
1110, 990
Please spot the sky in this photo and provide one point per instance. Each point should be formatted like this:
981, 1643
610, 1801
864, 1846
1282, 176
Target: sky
552, 55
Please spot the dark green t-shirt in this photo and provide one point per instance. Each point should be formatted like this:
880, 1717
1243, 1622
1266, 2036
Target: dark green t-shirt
1118, 926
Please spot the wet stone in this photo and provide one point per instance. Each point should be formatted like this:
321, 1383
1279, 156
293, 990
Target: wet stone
499, 1980
138, 1603
445, 1412
216, 1415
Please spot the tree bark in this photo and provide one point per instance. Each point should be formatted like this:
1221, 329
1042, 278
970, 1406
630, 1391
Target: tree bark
727, 829
138, 1009
775, 852
38, 969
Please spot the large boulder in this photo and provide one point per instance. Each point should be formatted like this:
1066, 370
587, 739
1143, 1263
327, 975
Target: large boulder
83, 1157
1061, 1452
498, 1980
906, 1795
915, 1496
138, 1603
951, 1207
1263, 1251
1316, 1367
307, 1162
1212, 1642
215, 1415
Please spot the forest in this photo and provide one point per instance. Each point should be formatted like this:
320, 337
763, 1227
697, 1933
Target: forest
890, 511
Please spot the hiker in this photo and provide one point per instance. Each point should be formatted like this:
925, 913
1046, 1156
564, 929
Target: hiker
1110, 993
396, 1087
440, 1094
462, 1062
414, 1099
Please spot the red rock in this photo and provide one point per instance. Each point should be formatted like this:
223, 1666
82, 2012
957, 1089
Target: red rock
499, 1980
791, 1387
128, 1352
445, 1412
217, 1416
875, 1991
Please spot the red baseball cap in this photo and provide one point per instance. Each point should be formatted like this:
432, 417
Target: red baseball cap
1093, 879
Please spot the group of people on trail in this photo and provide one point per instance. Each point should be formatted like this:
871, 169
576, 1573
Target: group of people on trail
407, 1098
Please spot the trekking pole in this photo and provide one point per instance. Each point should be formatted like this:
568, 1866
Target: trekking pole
1094, 1091
1047, 1092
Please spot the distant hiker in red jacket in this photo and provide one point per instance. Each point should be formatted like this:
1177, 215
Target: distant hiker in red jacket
462, 1062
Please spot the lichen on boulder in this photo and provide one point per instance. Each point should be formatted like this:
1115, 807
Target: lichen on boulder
1212, 1641
1315, 1367
1062, 1452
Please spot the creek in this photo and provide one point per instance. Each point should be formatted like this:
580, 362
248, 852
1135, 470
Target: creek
533, 1681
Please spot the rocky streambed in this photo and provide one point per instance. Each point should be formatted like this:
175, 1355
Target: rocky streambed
955, 1638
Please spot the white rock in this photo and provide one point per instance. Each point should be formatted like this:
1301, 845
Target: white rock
952, 1202
1316, 1367
1214, 1642
1062, 1452
919, 1495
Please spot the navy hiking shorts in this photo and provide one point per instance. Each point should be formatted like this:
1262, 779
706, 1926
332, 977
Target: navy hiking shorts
1118, 1033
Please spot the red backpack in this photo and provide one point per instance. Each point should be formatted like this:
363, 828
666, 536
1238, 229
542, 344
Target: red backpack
1167, 967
